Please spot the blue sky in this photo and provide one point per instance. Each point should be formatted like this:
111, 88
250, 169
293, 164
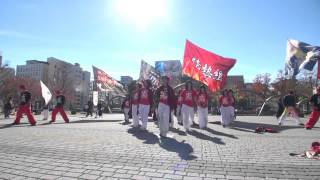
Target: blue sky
115, 35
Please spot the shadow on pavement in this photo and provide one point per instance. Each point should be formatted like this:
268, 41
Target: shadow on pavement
147, 137
6, 126
203, 136
125, 123
215, 122
13, 126
216, 132
47, 123
184, 150
94, 121
242, 129
178, 131
251, 126
220, 133
200, 135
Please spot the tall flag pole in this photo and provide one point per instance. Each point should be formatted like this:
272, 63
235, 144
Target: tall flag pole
206, 67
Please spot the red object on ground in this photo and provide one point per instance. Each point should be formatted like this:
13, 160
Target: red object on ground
270, 130
315, 146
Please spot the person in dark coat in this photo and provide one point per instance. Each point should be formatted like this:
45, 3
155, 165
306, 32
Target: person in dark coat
60, 99
280, 107
90, 108
126, 106
25, 107
8, 107
99, 109
289, 102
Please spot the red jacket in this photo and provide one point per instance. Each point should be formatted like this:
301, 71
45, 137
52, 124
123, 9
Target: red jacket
145, 96
202, 100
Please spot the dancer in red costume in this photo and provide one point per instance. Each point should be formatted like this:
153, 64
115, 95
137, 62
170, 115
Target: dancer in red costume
60, 99
25, 107
314, 117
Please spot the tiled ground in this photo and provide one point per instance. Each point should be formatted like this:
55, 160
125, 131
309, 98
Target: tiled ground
89, 148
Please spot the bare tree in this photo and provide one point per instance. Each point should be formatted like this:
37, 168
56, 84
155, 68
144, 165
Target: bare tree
5, 75
11, 88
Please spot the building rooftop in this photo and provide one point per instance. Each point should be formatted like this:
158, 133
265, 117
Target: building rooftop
36, 62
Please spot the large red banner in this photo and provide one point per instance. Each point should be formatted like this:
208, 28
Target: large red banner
205, 66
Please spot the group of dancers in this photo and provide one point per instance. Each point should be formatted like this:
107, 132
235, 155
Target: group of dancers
165, 104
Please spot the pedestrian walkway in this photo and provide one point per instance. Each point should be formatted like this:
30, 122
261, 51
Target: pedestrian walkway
89, 148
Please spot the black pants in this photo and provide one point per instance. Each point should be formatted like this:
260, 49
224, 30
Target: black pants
99, 113
89, 112
6, 113
279, 112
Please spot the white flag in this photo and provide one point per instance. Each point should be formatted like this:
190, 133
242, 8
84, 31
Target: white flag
46, 94
95, 98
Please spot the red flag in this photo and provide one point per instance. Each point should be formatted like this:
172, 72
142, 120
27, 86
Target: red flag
207, 67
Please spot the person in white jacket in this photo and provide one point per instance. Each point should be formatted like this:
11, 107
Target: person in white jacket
145, 99
188, 102
134, 106
202, 102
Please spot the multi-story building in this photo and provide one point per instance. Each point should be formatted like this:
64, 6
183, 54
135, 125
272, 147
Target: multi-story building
34, 69
70, 78
60, 75
248, 86
125, 80
10, 72
235, 82
5, 71
84, 88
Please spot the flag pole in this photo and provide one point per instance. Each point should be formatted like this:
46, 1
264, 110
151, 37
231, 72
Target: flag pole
318, 74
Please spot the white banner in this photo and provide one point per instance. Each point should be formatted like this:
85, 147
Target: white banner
95, 98
46, 94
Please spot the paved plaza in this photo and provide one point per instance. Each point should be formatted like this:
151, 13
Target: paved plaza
89, 148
